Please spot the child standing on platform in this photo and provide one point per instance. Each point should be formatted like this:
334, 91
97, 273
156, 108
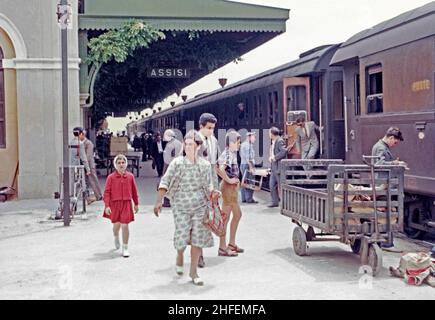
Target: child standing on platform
119, 193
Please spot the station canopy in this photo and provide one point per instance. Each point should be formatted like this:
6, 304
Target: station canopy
201, 36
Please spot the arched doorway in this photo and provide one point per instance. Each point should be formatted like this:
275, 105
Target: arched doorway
8, 114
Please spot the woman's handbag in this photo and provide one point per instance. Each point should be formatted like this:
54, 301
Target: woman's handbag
214, 218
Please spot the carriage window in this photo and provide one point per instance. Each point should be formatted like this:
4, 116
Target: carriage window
296, 98
2, 104
271, 113
357, 96
260, 111
255, 107
338, 100
276, 109
241, 110
374, 89
247, 108
273, 107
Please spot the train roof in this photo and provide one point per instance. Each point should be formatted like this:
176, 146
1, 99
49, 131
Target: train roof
308, 62
160, 113
407, 27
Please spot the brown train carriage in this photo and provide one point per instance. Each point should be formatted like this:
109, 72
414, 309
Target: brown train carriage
301, 85
389, 80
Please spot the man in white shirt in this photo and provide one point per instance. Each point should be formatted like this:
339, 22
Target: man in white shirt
278, 152
158, 147
210, 147
209, 151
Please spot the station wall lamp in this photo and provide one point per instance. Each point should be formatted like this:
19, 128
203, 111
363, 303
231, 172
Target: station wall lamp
421, 128
223, 82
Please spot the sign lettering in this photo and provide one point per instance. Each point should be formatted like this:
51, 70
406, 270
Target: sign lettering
179, 73
420, 85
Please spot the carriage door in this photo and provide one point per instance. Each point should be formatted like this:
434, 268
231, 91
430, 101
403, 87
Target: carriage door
296, 98
336, 132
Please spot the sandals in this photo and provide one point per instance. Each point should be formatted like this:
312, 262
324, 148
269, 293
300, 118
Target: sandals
235, 248
227, 253
197, 281
201, 262
179, 270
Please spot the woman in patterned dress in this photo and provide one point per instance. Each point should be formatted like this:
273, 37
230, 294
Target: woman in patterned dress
187, 182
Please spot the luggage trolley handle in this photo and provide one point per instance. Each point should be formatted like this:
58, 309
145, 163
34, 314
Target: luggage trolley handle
367, 160
369, 163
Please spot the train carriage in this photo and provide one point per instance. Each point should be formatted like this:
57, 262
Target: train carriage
389, 75
264, 100
381, 77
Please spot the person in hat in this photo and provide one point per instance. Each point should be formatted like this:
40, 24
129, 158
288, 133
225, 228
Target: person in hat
91, 178
172, 150
278, 151
307, 140
382, 149
77, 153
247, 165
77, 150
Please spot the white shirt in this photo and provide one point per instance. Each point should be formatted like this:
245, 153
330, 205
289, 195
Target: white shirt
160, 147
210, 146
307, 130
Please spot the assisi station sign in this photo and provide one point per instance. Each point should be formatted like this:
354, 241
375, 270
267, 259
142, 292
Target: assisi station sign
179, 73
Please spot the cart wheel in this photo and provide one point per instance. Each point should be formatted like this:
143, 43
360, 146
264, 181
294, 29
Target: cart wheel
375, 258
311, 235
58, 214
417, 216
356, 246
299, 241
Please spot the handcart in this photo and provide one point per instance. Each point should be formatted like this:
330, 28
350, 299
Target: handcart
359, 205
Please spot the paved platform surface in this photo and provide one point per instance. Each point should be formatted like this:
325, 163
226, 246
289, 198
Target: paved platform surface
41, 259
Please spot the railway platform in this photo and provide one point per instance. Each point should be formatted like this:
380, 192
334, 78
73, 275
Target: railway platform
46, 260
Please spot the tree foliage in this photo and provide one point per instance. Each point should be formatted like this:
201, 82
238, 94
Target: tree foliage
118, 44
125, 55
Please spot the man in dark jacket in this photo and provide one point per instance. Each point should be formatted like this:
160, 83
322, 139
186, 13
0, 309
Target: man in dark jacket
382, 148
278, 151
158, 147
143, 145
149, 142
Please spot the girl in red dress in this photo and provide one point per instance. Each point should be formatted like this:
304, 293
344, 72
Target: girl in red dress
119, 192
